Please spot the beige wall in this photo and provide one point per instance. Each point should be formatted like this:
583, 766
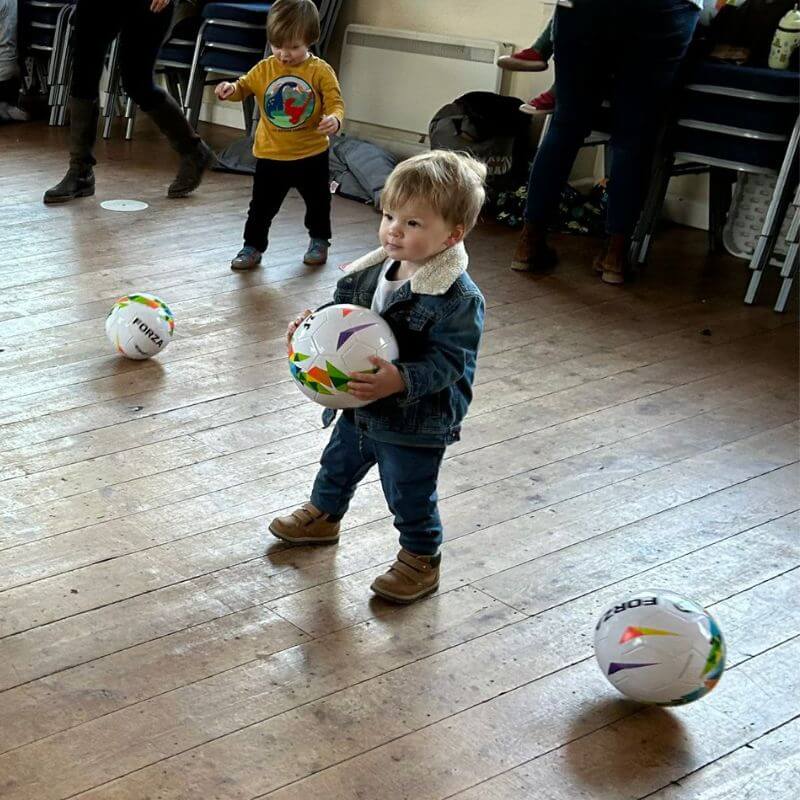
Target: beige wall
516, 21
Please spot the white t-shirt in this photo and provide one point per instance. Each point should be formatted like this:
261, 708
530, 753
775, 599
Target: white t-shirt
385, 288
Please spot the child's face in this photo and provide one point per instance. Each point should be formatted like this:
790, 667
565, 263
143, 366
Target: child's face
415, 232
290, 53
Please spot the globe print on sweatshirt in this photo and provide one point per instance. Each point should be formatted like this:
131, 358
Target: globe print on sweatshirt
292, 100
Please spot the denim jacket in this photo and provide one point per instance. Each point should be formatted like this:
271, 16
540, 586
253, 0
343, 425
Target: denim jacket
437, 319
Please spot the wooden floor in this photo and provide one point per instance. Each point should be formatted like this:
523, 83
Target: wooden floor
157, 644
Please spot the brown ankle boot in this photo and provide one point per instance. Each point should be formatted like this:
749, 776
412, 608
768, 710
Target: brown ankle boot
533, 253
611, 264
306, 525
409, 578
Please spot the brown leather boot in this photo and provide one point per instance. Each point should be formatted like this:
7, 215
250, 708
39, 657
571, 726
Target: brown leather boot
409, 578
306, 525
611, 264
533, 253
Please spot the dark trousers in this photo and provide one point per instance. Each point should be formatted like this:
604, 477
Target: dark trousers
408, 475
9, 91
271, 184
141, 31
630, 51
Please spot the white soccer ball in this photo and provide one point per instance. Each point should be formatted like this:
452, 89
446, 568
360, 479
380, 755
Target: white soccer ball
658, 647
140, 325
331, 345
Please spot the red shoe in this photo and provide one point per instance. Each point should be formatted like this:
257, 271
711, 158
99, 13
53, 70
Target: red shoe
527, 60
545, 103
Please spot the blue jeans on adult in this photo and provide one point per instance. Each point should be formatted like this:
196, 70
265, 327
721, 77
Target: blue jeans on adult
628, 51
408, 475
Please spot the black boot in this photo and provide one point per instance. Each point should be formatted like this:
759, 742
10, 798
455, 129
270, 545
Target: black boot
79, 180
196, 155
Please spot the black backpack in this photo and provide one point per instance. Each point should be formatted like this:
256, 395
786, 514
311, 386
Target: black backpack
491, 128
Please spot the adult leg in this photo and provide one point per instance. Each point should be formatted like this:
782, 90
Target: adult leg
657, 34
96, 23
580, 35
142, 36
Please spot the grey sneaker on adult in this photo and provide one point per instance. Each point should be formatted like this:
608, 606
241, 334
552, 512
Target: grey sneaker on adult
247, 258
317, 252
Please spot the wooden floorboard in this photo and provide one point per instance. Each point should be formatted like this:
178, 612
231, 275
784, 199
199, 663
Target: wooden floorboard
156, 642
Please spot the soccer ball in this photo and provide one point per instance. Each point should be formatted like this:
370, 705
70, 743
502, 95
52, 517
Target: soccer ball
658, 647
333, 343
140, 325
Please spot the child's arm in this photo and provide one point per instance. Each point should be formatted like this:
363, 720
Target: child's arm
243, 87
332, 103
453, 343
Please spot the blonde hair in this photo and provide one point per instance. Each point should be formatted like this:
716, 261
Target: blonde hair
291, 21
450, 183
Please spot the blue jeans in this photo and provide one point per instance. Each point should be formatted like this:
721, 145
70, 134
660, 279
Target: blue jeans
408, 476
629, 51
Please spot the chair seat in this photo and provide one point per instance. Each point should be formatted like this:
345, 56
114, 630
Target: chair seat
724, 109
176, 55
755, 80
252, 13
754, 155
242, 37
228, 62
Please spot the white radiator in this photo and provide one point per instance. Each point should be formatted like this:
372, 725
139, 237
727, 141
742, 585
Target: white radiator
400, 79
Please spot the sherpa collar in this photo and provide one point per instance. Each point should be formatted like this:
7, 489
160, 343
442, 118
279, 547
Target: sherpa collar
435, 276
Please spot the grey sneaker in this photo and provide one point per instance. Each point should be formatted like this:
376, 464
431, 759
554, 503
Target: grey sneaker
247, 258
317, 252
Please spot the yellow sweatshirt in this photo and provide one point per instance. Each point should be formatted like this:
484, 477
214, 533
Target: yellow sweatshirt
292, 100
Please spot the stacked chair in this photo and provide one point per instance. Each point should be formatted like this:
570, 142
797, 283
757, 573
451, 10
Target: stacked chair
731, 119
45, 38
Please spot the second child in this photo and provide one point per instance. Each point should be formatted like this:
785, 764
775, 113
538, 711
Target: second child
301, 106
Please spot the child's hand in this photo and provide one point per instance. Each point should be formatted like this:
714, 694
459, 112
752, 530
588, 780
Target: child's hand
329, 125
224, 90
386, 381
295, 324
158, 5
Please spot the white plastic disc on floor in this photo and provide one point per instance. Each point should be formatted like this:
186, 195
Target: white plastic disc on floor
123, 205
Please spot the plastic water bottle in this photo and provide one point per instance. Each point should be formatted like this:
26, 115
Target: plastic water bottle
786, 40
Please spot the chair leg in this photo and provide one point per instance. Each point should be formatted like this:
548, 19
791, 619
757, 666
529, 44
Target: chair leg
781, 198
789, 272
130, 114
173, 86
651, 211
196, 75
719, 202
113, 89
